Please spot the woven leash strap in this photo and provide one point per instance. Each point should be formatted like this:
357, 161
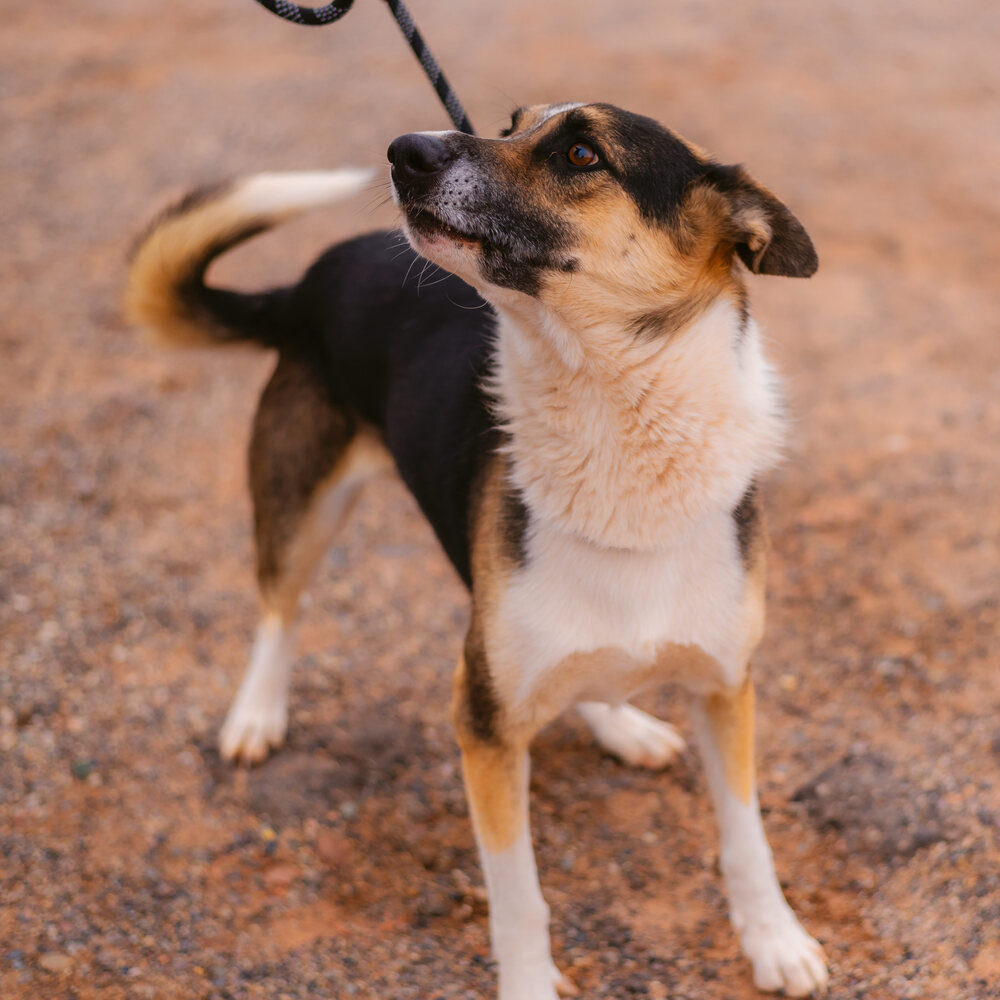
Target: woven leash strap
335, 11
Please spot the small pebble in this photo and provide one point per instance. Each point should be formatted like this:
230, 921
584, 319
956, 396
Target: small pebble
54, 961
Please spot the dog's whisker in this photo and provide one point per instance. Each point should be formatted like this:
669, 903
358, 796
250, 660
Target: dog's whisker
420, 279
437, 281
475, 308
406, 277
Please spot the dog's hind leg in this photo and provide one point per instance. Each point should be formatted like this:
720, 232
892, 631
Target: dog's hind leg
632, 735
308, 460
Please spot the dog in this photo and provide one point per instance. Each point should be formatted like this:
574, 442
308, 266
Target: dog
582, 410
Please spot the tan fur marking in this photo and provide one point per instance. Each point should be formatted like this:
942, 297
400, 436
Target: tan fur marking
490, 569
180, 243
647, 271
731, 716
490, 564
611, 675
755, 596
493, 776
626, 266
490, 556
754, 222
365, 456
477, 705
493, 782
168, 255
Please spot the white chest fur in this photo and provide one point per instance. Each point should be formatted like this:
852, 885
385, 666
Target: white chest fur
630, 443
631, 457
572, 598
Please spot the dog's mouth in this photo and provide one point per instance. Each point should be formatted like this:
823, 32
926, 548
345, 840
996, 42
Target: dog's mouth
425, 223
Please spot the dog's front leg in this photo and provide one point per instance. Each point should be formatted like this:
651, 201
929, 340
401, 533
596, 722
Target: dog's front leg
496, 768
785, 958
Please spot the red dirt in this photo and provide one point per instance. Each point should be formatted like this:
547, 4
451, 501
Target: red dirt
134, 864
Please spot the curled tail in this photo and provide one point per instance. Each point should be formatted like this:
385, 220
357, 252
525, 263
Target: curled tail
166, 291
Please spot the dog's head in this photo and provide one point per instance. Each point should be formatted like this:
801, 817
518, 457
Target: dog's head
590, 207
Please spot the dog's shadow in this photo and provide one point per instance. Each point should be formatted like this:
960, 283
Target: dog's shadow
390, 785
379, 758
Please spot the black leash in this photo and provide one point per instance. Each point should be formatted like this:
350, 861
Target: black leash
335, 11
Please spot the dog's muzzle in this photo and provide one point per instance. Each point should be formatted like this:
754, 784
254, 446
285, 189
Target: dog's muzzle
425, 187
417, 159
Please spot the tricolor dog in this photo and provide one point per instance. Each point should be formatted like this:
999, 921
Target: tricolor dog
581, 409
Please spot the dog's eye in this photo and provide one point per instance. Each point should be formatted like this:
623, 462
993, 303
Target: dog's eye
582, 155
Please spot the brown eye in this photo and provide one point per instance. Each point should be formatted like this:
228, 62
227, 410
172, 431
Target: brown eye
581, 155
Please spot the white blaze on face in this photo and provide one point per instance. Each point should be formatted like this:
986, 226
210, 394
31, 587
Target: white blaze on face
557, 109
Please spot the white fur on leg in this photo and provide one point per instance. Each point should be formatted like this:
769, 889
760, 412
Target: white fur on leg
632, 735
519, 925
258, 717
785, 958
519, 921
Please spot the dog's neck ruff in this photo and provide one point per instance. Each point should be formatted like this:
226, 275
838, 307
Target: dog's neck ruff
629, 443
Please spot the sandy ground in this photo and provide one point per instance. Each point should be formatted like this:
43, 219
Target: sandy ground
133, 864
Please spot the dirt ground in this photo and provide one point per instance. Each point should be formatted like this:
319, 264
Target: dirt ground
133, 864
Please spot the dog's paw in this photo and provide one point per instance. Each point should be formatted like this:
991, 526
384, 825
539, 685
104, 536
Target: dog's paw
565, 986
526, 983
634, 736
785, 959
252, 729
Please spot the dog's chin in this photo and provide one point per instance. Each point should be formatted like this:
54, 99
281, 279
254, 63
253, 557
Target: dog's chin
432, 228
451, 248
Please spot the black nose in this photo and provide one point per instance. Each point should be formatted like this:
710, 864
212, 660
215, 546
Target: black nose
416, 155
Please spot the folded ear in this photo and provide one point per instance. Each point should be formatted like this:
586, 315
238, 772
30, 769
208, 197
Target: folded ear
768, 238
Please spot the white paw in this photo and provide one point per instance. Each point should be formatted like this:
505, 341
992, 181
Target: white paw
258, 717
634, 736
253, 728
527, 983
785, 958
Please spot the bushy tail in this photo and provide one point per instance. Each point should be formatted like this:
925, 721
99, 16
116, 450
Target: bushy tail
166, 292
